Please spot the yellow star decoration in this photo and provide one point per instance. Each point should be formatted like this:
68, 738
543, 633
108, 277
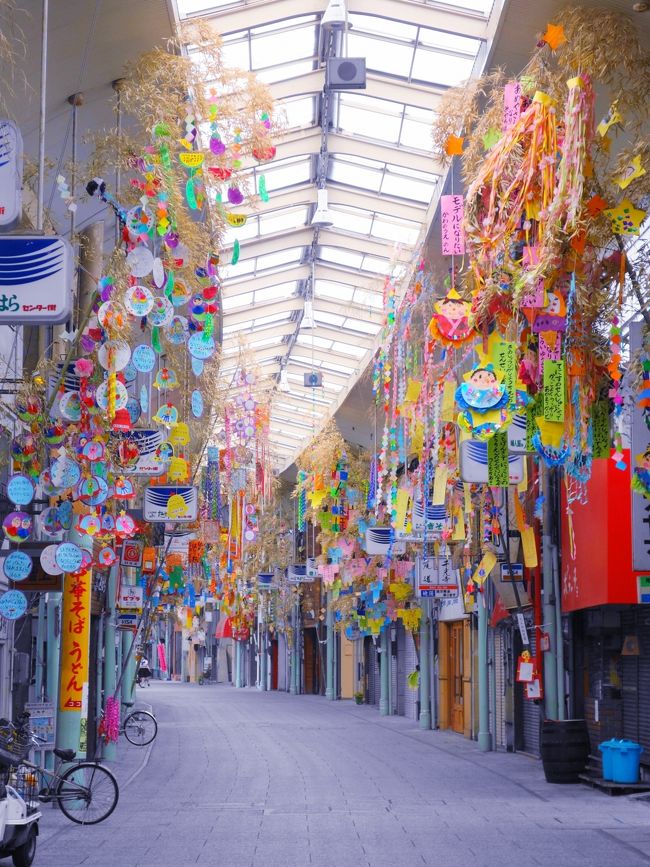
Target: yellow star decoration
454, 145
612, 117
554, 36
625, 218
490, 138
634, 170
550, 432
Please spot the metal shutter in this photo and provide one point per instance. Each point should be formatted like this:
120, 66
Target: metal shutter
636, 681
500, 662
531, 712
372, 672
393, 677
411, 703
406, 664
401, 672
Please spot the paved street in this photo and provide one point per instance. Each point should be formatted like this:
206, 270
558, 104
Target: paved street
239, 777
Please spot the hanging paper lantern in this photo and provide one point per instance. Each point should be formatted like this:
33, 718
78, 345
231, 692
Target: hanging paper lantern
235, 196
124, 526
28, 408
88, 524
121, 420
17, 527
106, 558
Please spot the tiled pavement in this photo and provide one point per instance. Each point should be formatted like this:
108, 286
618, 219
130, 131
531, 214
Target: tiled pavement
239, 778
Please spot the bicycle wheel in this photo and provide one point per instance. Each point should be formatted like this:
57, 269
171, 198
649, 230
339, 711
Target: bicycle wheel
88, 793
140, 728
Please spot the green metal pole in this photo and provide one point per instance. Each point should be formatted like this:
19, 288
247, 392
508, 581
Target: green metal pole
53, 652
264, 658
40, 650
295, 681
384, 672
425, 668
330, 689
484, 739
128, 681
238, 662
548, 592
110, 669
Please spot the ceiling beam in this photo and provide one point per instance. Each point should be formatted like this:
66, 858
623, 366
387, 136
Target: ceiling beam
459, 21
321, 355
302, 272
231, 288
348, 308
273, 329
379, 86
341, 195
297, 144
304, 236
258, 311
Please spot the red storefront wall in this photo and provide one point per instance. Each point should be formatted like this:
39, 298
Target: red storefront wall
601, 572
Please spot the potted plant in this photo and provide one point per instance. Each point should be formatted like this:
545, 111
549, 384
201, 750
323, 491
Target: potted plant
358, 697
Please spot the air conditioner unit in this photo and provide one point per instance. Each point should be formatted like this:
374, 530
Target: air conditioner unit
313, 379
346, 73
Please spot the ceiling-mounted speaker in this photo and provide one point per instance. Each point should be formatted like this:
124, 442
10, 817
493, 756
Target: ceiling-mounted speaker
346, 73
313, 379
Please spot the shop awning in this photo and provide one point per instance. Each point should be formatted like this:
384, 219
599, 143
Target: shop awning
224, 628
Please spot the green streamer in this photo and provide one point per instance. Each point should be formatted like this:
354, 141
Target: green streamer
155, 339
169, 288
190, 193
235, 253
261, 187
208, 327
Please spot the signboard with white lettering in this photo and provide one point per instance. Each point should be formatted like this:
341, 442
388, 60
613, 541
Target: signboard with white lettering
35, 279
163, 503
130, 598
435, 578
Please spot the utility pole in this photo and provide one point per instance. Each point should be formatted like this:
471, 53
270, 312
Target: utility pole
330, 691
384, 672
425, 660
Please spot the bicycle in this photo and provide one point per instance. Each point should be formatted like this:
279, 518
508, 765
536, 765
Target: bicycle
86, 792
139, 726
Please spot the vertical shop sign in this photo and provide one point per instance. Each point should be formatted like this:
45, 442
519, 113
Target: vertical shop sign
639, 450
451, 221
75, 643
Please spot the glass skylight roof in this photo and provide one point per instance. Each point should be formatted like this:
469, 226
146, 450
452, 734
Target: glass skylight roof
382, 177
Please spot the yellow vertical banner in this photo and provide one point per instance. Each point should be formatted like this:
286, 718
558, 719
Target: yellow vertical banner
75, 642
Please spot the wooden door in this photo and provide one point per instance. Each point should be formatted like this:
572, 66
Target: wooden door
456, 708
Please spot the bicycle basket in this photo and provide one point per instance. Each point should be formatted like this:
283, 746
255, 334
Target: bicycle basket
25, 782
15, 745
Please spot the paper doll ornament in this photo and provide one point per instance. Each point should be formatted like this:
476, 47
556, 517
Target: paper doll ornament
450, 322
483, 400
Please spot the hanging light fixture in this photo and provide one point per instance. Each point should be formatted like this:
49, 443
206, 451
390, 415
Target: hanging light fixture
308, 315
322, 216
334, 17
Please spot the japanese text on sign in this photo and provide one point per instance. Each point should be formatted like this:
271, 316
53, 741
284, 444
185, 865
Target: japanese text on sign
451, 220
498, 467
75, 639
511, 104
554, 390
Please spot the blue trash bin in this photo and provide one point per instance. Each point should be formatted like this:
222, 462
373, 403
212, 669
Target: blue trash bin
607, 748
626, 760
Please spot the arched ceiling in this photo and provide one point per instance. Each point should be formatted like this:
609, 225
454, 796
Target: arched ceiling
372, 149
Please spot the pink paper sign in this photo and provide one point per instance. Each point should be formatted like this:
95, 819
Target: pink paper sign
534, 297
451, 221
511, 104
